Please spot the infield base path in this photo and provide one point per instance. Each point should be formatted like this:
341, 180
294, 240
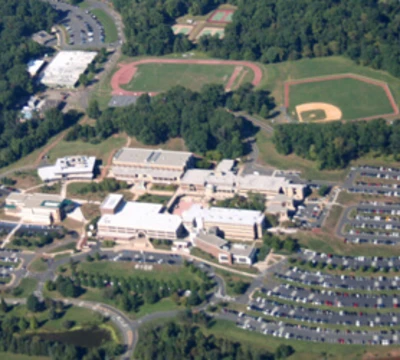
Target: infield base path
126, 72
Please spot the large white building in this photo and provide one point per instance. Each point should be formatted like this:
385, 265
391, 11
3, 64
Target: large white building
66, 68
69, 167
35, 208
122, 220
161, 166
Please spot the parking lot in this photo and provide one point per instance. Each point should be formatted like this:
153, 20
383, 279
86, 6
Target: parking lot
350, 262
308, 333
84, 30
371, 222
371, 180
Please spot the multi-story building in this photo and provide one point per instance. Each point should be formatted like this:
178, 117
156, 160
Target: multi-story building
122, 220
68, 168
146, 165
235, 224
44, 209
223, 184
223, 251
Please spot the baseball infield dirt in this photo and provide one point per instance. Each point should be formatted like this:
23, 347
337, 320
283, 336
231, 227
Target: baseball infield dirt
332, 112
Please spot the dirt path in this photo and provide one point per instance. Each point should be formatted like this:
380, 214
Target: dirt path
49, 147
126, 71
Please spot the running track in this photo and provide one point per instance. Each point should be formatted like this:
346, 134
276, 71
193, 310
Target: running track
126, 72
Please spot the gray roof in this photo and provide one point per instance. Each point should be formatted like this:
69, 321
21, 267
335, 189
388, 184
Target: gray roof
242, 250
152, 157
212, 239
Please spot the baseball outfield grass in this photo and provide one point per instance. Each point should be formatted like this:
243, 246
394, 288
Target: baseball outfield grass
355, 98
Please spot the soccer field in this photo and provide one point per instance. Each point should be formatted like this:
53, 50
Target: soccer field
155, 77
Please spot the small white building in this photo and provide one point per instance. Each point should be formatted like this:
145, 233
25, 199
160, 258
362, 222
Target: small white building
68, 168
34, 66
66, 68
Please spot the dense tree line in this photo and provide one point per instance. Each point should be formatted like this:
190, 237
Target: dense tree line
200, 118
130, 293
273, 30
106, 185
19, 139
148, 24
175, 341
335, 144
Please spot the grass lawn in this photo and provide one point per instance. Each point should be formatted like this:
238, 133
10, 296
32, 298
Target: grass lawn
26, 179
355, 98
126, 269
100, 151
276, 74
38, 265
90, 211
230, 279
110, 30
69, 246
161, 77
150, 198
26, 287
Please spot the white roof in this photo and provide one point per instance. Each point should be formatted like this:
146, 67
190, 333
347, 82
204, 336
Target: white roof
68, 165
66, 67
254, 182
152, 157
132, 170
142, 216
223, 215
34, 66
225, 165
29, 200
111, 201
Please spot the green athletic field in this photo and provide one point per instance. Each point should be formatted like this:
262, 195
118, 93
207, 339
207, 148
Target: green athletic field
161, 77
355, 98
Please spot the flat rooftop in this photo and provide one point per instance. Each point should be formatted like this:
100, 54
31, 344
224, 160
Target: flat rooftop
66, 67
142, 216
152, 157
68, 165
211, 239
35, 200
223, 215
111, 201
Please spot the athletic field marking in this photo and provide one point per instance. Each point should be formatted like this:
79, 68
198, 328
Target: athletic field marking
126, 72
365, 79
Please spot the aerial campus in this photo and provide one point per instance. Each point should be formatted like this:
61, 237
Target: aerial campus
199, 179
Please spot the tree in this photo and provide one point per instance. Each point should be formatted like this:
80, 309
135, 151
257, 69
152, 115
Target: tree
33, 323
324, 190
83, 80
33, 304
23, 324
4, 306
283, 351
68, 324
93, 110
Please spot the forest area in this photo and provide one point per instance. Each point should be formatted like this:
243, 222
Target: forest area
19, 20
272, 31
200, 118
185, 339
335, 144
